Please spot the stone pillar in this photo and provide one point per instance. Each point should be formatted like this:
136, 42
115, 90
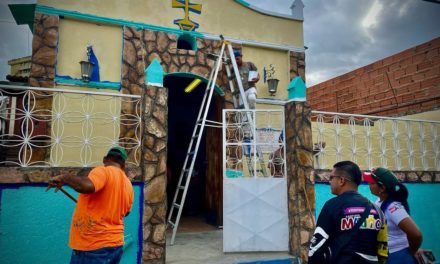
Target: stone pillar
297, 65
42, 74
154, 166
301, 191
44, 51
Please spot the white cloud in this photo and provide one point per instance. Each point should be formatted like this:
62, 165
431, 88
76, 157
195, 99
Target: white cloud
370, 20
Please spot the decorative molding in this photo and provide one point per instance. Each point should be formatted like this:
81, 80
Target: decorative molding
78, 82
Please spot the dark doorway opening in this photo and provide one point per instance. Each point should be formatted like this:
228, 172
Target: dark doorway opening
183, 109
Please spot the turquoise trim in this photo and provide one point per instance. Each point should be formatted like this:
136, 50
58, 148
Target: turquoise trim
99, 85
190, 39
154, 73
241, 2
112, 21
193, 75
296, 89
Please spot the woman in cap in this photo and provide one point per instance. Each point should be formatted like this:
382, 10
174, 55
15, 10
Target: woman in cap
404, 236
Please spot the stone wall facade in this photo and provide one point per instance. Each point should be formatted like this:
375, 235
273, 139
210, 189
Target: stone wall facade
42, 73
44, 50
141, 47
300, 184
297, 65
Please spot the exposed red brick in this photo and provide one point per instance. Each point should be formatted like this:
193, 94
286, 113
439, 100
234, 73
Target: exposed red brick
426, 83
418, 58
406, 82
433, 72
432, 53
411, 69
407, 97
424, 65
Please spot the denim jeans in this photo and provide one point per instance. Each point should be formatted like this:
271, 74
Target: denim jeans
403, 256
108, 255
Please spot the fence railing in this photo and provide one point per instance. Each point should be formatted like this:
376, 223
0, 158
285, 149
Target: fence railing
252, 145
372, 141
63, 127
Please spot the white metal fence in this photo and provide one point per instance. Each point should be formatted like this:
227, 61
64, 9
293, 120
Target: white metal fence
372, 141
252, 145
63, 127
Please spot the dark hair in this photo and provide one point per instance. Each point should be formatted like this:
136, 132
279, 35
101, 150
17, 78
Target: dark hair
399, 195
116, 158
351, 169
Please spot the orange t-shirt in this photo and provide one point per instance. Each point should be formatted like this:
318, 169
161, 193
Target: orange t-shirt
97, 221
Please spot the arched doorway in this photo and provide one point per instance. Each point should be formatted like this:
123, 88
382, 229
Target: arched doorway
183, 109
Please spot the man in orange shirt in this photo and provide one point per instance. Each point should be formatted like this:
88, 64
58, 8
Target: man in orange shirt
106, 197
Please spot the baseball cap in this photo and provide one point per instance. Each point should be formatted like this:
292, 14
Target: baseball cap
382, 176
237, 53
117, 151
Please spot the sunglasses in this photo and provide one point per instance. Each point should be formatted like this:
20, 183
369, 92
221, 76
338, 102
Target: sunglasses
331, 177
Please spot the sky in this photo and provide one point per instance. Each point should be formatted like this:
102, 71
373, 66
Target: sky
341, 35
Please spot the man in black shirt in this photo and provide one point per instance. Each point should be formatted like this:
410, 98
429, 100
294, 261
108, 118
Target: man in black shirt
337, 238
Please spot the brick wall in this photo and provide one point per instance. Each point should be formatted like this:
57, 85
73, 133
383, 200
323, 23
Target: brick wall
405, 83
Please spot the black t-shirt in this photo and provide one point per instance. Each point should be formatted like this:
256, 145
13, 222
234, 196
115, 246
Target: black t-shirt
338, 216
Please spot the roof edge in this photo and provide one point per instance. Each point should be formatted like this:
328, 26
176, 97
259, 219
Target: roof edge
266, 12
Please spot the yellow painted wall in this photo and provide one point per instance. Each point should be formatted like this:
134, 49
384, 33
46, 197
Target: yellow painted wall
218, 17
430, 115
74, 36
263, 57
73, 127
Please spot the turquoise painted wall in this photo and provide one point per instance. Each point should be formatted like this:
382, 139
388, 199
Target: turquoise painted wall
34, 225
425, 209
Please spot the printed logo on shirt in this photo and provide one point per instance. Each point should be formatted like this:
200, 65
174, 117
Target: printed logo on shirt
394, 208
349, 221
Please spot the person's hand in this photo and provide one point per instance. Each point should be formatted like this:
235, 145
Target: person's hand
55, 182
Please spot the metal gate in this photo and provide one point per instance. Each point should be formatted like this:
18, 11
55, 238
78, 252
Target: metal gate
254, 181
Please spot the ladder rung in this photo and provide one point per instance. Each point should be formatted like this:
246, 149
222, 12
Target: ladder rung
191, 153
176, 205
196, 136
171, 223
181, 187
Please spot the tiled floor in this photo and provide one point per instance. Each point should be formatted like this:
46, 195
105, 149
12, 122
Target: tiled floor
197, 242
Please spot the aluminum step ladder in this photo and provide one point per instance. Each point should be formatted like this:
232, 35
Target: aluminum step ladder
188, 166
246, 118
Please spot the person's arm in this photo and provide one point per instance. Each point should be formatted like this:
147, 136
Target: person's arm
412, 232
254, 68
318, 248
78, 183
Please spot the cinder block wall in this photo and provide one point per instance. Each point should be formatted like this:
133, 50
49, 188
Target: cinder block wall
402, 84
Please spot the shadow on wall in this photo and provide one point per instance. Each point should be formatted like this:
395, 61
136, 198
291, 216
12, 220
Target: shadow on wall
34, 225
424, 211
